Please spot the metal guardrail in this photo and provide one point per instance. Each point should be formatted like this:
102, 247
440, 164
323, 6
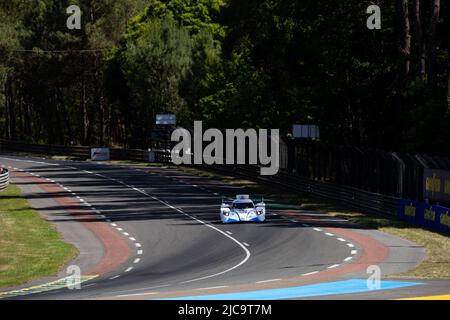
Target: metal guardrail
81, 152
53, 150
4, 179
354, 197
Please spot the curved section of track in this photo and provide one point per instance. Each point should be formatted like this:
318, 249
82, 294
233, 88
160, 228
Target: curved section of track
172, 224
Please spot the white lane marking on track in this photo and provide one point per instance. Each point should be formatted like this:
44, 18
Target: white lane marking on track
353, 252
348, 259
114, 225
115, 277
333, 266
138, 245
137, 260
342, 240
136, 294
129, 269
126, 234
229, 232
133, 291
140, 252
247, 252
89, 205
30, 161
317, 229
350, 245
246, 244
132, 239
329, 234
310, 273
265, 281
212, 288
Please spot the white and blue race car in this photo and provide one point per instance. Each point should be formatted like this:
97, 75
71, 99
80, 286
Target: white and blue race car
242, 209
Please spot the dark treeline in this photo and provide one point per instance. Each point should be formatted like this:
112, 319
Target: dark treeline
230, 63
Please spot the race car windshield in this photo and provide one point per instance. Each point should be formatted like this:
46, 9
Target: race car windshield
243, 205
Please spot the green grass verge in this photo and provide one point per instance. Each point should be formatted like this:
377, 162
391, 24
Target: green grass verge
30, 247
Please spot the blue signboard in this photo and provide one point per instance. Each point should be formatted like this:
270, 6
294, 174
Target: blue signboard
306, 131
436, 185
426, 215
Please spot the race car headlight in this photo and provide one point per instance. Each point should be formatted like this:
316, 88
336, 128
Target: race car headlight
226, 213
259, 212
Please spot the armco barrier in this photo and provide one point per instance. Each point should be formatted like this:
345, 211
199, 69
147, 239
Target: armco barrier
432, 217
428, 216
360, 199
54, 150
81, 152
357, 198
4, 179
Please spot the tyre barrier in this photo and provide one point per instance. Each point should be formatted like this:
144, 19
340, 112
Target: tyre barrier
4, 179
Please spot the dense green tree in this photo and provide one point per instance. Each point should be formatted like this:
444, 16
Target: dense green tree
254, 63
163, 63
154, 65
55, 86
8, 42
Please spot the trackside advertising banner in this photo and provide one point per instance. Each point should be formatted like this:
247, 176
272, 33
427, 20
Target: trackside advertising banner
436, 185
428, 216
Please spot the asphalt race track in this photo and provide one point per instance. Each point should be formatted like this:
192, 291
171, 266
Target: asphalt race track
150, 233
